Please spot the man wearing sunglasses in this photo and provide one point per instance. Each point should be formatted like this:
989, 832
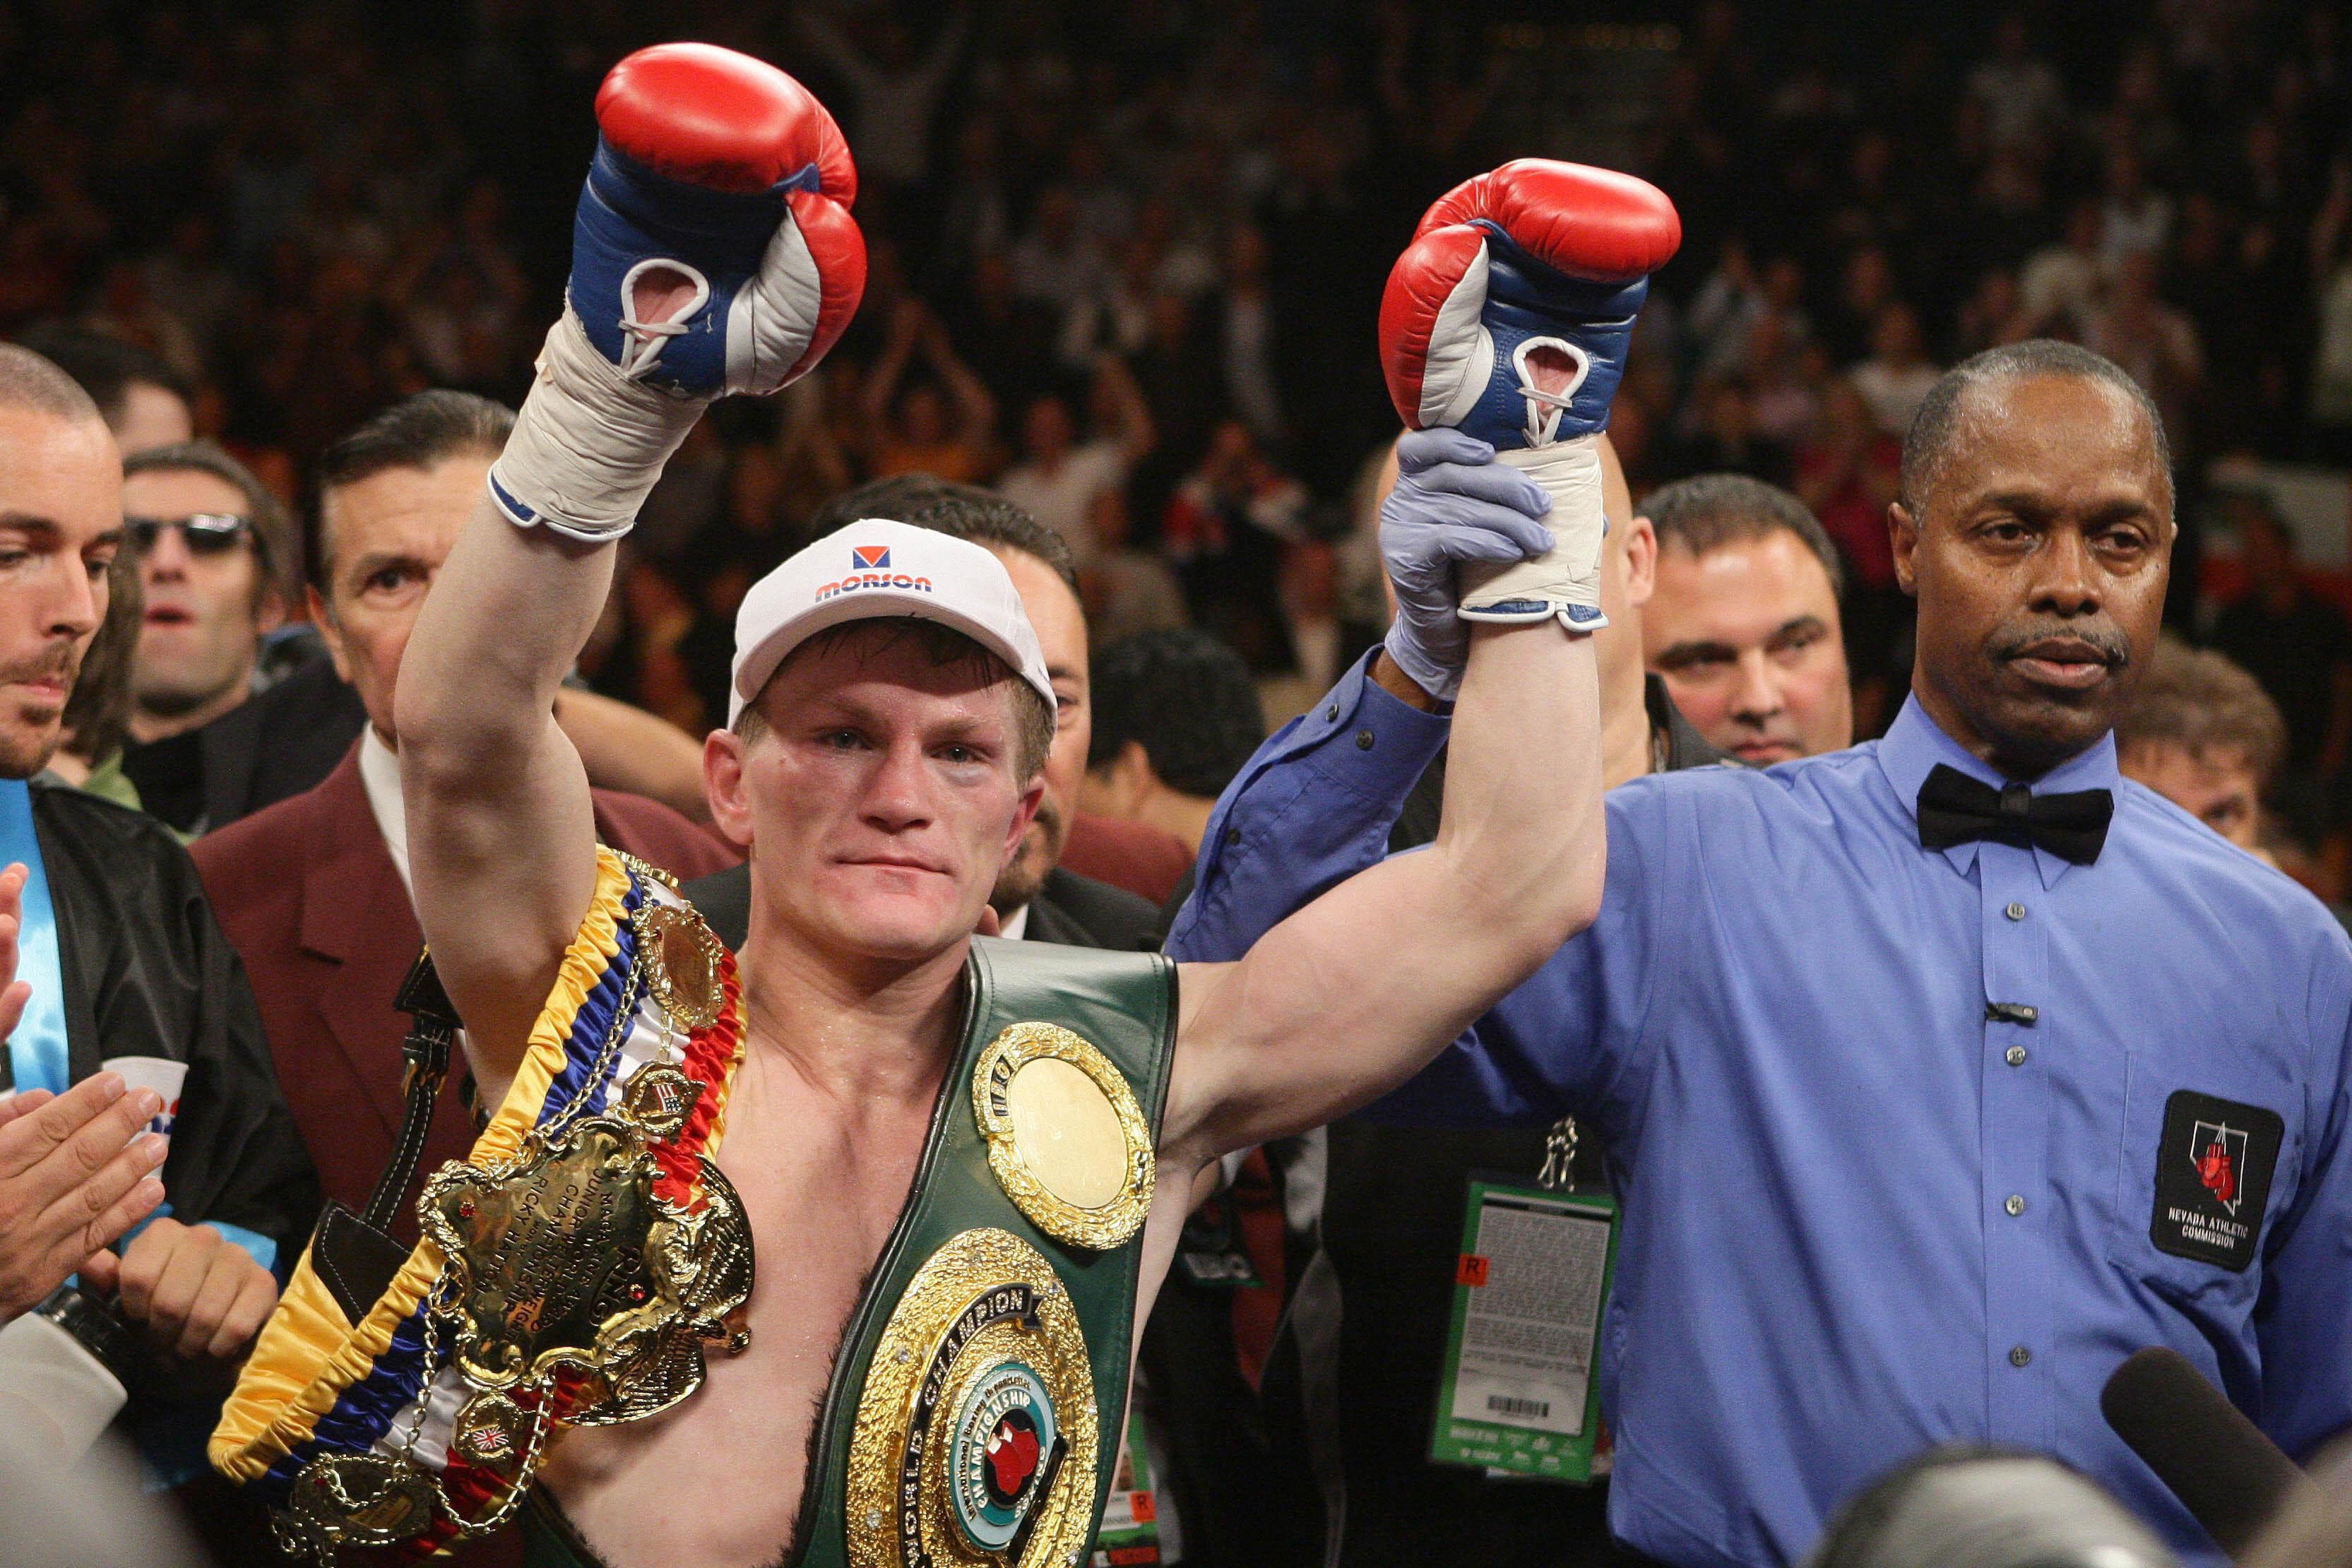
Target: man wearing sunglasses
218, 562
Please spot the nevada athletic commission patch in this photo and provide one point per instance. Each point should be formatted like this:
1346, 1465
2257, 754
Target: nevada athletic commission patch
2213, 1178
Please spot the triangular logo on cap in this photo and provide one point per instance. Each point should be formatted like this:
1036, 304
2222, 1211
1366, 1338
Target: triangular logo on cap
869, 557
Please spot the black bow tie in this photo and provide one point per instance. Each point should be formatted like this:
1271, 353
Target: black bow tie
1956, 809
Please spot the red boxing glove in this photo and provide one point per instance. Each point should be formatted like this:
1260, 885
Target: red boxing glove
1527, 278
708, 116
712, 252
1508, 318
720, 174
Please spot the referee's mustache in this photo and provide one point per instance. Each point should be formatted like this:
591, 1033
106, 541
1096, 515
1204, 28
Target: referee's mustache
2032, 639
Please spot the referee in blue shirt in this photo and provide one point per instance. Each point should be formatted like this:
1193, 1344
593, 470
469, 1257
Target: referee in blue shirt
1939, 1074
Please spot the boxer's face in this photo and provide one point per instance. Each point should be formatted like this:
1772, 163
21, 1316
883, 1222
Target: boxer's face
60, 524
207, 608
383, 539
1748, 641
881, 793
2038, 556
1061, 625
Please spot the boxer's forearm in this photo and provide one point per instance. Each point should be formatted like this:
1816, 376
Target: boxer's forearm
1521, 831
1349, 996
501, 834
508, 614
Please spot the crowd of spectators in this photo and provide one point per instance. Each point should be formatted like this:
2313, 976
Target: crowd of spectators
1124, 259
1125, 264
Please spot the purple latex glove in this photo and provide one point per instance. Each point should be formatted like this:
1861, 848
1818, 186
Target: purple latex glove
1453, 502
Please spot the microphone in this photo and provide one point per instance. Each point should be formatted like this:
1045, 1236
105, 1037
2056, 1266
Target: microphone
2231, 1478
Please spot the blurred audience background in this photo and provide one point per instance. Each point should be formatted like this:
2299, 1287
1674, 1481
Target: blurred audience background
1126, 261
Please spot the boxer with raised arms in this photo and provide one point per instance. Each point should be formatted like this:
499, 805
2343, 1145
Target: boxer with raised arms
950, 1166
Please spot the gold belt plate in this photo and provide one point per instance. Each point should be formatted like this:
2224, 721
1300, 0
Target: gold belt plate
564, 1255
1066, 1139
978, 1444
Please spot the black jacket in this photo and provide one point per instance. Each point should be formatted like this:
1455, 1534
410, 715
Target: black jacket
148, 973
1071, 910
268, 749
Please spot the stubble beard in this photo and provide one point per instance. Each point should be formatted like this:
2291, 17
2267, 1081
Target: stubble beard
1041, 851
31, 732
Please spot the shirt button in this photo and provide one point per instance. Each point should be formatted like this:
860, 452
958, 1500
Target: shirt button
2014, 1056
2020, 1356
1234, 839
2015, 911
1331, 714
2015, 1205
1363, 740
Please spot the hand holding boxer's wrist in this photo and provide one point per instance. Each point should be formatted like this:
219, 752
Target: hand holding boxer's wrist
1452, 503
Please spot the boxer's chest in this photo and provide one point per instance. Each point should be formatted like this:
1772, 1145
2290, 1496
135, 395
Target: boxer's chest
718, 1480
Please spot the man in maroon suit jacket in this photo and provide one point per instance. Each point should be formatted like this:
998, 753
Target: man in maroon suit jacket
311, 898
313, 890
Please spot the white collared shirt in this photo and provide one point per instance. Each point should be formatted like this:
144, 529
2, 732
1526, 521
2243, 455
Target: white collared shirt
379, 776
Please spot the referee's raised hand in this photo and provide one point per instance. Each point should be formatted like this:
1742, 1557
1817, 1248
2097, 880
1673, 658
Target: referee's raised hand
76, 1172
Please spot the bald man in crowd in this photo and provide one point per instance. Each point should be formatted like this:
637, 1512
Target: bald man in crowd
138, 1085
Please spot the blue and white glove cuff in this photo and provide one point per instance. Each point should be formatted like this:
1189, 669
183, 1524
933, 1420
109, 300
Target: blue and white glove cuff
589, 444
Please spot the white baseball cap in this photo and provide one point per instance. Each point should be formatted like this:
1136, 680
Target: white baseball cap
873, 570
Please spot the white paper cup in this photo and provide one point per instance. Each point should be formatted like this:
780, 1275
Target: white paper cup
161, 1074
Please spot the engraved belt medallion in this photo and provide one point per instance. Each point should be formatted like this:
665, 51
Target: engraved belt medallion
1066, 1140
353, 1500
564, 1256
977, 1439
681, 959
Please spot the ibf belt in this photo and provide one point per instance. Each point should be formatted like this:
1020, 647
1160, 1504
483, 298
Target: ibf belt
983, 1380
571, 1272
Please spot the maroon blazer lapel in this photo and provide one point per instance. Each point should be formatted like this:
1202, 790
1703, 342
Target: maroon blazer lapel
356, 912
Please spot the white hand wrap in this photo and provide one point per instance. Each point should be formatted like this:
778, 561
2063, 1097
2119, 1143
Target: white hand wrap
1567, 581
589, 444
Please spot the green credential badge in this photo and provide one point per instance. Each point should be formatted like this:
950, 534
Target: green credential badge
1516, 1393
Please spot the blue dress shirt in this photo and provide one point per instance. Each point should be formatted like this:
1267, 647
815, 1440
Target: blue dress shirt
1863, 1212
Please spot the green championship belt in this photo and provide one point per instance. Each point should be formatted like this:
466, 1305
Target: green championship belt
975, 1409
975, 1406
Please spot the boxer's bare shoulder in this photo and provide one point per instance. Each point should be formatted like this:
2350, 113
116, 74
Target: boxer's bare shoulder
718, 1479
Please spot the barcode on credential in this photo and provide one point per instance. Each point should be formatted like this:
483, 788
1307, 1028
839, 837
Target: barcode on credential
1505, 1405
